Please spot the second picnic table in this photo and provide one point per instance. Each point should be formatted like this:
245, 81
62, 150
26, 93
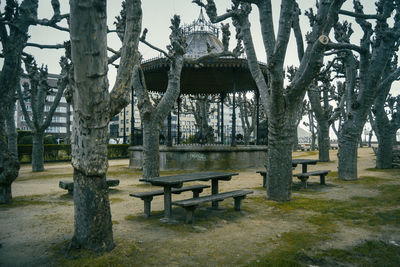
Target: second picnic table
176, 181
295, 162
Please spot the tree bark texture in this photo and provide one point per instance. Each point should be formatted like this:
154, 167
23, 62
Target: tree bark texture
347, 154
384, 156
151, 154
279, 163
93, 106
38, 152
323, 141
11, 130
93, 227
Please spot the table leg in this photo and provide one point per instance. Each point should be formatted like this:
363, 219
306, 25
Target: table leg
167, 203
304, 167
214, 190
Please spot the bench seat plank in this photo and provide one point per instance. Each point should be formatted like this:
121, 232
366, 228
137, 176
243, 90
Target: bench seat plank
215, 197
304, 176
191, 204
147, 196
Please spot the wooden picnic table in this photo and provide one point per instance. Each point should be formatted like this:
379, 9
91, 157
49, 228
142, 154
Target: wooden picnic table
176, 181
304, 163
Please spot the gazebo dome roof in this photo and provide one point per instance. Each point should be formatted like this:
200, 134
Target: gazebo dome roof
202, 38
213, 76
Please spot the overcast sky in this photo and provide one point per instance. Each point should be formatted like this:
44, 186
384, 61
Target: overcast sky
156, 18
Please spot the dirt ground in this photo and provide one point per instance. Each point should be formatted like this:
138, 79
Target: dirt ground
41, 219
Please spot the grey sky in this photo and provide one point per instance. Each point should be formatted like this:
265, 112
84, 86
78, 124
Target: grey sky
156, 17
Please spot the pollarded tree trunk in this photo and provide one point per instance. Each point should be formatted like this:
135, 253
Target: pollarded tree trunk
151, 154
37, 152
93, 107
385, 148
323, 140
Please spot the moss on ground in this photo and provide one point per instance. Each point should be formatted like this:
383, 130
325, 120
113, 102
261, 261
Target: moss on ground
368, 253
30, 200
299, 248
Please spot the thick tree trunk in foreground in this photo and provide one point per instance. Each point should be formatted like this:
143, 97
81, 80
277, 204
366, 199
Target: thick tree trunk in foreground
279, 168
37, 152
348, 147
92, 213
93, 106
323, 141
151, 154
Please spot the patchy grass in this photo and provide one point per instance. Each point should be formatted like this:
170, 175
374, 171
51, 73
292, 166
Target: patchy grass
369, 181
300, 248
368, 253
22, 201
384, 170
125, 254
44, 175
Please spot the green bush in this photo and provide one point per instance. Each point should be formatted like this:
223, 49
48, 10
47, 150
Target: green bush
115, 151
54, 152
49, 139
24, 137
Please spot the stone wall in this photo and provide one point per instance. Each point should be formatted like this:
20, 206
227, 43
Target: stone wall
202, 158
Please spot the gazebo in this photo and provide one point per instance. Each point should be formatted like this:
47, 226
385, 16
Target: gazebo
216, 76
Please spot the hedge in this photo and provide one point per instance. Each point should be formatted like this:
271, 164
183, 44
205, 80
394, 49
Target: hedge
53, 152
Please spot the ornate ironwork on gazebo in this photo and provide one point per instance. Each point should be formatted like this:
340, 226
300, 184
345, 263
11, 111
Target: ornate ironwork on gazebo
215, 76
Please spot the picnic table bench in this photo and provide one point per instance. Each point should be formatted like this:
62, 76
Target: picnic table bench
191, 204
304, 176
176, 181
69, 185
147, 196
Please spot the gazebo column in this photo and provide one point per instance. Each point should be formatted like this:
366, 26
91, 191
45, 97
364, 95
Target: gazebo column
169, 139
218, 121
257, 116
233, 141
222, 117
178, 139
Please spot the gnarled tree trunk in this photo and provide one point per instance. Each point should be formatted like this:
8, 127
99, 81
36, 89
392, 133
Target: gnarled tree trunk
279, 164
323, 140
347, 154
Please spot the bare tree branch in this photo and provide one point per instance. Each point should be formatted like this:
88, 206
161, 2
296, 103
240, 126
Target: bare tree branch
360, 15
143, 40
45, 46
